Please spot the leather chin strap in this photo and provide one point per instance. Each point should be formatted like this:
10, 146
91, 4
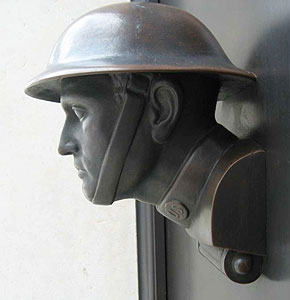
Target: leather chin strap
120, 143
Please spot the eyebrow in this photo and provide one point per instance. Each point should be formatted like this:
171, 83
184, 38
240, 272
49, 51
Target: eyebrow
69, 102
78, 107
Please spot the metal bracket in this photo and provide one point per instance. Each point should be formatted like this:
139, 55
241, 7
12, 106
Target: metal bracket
237, 266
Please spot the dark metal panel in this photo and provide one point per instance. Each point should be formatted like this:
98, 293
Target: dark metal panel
255, 35
151, 253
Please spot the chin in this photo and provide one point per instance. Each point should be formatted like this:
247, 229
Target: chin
88, 192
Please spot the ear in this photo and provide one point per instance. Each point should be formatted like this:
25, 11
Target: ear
165, 106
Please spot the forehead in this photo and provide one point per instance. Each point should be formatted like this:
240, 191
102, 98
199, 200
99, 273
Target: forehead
86, 87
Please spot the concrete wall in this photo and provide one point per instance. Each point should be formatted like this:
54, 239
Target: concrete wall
54, 243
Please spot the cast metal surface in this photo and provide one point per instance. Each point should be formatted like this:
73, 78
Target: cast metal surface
239, 267
242, 264
255, 36
151, 253
243, 268
132, 37
140, 121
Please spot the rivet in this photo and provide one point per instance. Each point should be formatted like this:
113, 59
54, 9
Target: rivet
242, 263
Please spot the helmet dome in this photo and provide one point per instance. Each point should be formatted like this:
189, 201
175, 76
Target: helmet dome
132, 37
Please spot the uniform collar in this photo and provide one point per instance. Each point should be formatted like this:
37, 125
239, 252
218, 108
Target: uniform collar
182, 197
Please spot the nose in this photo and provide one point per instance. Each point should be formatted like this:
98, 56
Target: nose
68, 148
67, 145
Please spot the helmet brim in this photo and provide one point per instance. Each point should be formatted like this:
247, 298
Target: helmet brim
47, 85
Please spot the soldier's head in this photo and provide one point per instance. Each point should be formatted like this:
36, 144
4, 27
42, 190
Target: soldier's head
109, 115
138, 83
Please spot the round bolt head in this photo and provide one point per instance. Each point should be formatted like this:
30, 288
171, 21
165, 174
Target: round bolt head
242, 267
242, 263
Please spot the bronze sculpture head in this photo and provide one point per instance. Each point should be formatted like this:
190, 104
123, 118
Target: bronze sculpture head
139, 84
163, 107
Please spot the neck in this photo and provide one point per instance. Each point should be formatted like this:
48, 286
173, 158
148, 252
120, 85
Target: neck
152, 188
181, 199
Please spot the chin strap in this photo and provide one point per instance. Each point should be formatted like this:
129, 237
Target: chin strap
134, 98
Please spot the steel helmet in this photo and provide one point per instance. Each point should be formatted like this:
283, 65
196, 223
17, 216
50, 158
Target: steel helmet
132, 37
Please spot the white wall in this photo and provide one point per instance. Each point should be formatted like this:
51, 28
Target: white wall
54, 243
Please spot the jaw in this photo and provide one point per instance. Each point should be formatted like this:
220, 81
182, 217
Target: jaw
88, 190
150, 168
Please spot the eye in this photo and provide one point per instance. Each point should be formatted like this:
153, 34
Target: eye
80, 112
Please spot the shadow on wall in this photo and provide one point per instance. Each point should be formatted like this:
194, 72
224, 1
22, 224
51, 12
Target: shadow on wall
263, 114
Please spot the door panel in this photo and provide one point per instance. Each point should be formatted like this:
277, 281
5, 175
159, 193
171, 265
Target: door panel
256, 37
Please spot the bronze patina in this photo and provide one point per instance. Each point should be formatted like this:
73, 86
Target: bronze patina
139, 84
133, 37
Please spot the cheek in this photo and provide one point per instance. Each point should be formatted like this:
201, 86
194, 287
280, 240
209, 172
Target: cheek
90, 142
101, 123
108, 118
96, 134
